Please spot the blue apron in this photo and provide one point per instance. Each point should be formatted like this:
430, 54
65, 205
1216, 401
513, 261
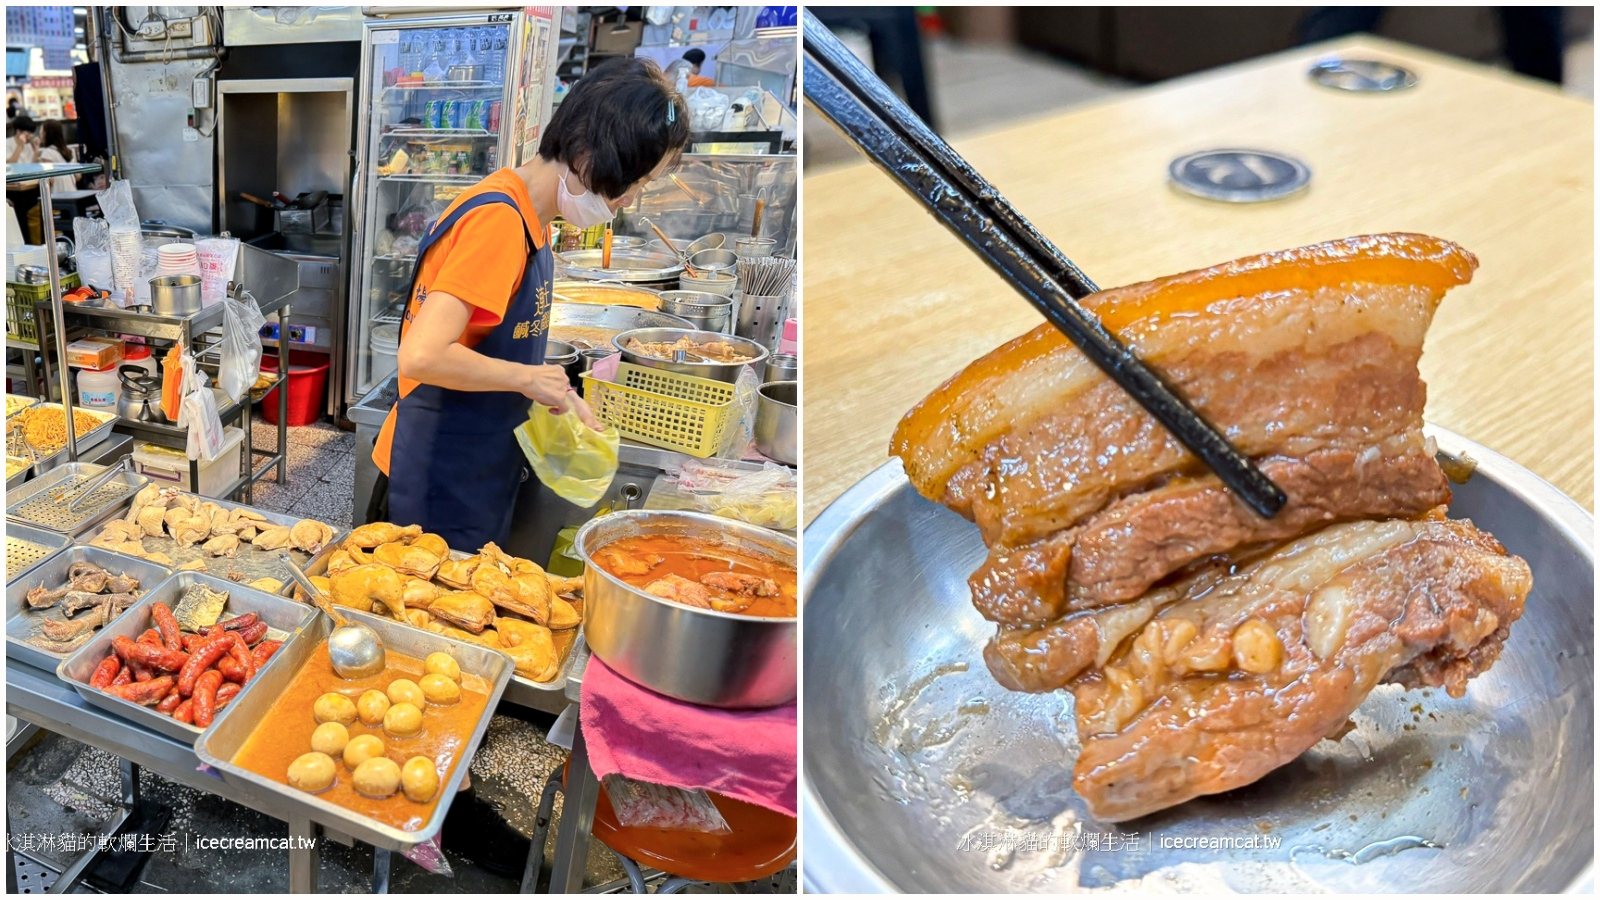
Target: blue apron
455, 465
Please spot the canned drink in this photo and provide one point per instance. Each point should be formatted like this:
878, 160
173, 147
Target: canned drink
430, 114
447, 114
494, 116
475, 115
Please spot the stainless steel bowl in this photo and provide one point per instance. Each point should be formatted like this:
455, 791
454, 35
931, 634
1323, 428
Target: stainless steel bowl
920, 771
635, 267
175, 295
565, 318
704, 311
721, 261
728, 372
696, 655
782, 367
777, 425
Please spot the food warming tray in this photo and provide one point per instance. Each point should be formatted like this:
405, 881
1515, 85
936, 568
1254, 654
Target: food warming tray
23, 623
922, 774
28, 547
250, 563
549, 696
90, 438
284, 617
31, 504
235, 723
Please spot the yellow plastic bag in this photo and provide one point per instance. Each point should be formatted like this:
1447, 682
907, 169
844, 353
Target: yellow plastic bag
572, 459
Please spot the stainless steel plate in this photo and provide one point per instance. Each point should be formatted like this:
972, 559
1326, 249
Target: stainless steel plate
284, 618
922, 774
237, 721
28, 547
23, 622
33, 503
250, 563
549, 696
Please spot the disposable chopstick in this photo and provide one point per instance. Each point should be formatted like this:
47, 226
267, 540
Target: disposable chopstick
864, 109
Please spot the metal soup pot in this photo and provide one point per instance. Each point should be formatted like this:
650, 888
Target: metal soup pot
727, 372
705, 311
696, 655
563, 354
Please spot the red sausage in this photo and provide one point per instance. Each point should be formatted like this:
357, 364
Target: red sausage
123, 677
241, 654
150, 636
144, 693
169, 702
237, 622
153, 655
185, 712
106, 672
141, 672
192, 642
227, 692
264, 651
205, 697
253, 633
171, 633
203, 659
231, 671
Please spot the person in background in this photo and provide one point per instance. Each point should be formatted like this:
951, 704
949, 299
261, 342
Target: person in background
1534, 44
29, 143
13, 108
690, 63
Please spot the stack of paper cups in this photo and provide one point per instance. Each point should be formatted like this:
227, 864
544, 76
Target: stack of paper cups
127, 252
178, 259
216, 258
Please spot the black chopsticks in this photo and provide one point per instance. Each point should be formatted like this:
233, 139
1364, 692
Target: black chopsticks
890, 134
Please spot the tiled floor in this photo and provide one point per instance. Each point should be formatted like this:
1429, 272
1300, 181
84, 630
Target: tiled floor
321, 473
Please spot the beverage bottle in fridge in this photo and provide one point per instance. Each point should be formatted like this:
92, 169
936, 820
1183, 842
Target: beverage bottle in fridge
475, 116
494, 116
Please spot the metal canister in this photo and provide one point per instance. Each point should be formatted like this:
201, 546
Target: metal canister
782, 367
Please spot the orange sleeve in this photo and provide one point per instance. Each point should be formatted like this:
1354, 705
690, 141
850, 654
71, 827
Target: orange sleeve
701, 81
485, 261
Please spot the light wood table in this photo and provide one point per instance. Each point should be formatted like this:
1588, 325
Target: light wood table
894, 304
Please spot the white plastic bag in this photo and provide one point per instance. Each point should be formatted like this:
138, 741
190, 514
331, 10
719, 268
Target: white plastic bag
767, 498
640, 804
198, 413
706, 109
241, 346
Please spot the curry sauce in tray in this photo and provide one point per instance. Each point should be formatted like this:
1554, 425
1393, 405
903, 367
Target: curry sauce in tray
285, 734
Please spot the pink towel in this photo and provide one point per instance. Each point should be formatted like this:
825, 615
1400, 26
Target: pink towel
749, 755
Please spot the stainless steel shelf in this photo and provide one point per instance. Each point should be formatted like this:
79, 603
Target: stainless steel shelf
441, 132
465, 180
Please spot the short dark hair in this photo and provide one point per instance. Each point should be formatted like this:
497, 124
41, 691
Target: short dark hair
617, 125
695, 56
25, 123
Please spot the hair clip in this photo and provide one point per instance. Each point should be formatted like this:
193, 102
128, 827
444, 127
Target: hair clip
672, 111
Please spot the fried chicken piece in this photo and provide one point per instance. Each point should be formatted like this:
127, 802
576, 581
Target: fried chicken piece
149, 495
362, 586
193, 565
320, 582
463, 609
117, 531
160, 559
222, 545
433, 544
268, 585
310, 535
485, 638
740, 583
679, 589
565, 587
531, 647
407, 559
339, 560
272, 537
1241, 671
373, 534
620, 562
417, 618
240, 514
527, 595
563, 615
457, 573
420, 594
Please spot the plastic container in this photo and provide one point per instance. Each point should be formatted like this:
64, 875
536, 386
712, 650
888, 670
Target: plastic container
99, 388
308, 383
170, 468
385, 345
664, 409
140, 355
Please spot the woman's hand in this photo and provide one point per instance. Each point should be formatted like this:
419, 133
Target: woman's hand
585, 414
547, 385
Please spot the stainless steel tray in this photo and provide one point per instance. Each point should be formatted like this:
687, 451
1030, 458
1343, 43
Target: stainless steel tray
234, 725
31, 504
285, 618
15, 481
86, 440
547, 696
912, 784
23, 623
250, 562
29, 547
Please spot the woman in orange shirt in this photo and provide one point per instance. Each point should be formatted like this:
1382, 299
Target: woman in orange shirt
473, 340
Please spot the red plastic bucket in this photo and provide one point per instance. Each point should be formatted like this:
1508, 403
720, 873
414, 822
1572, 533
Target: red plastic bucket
308, 383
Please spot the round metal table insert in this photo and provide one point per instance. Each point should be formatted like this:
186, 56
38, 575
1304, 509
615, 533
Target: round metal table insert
1239, 176
1362, 75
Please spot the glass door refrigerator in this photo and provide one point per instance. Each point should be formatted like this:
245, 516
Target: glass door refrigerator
446, 99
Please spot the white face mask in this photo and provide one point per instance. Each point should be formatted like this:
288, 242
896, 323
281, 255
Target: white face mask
586, 210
